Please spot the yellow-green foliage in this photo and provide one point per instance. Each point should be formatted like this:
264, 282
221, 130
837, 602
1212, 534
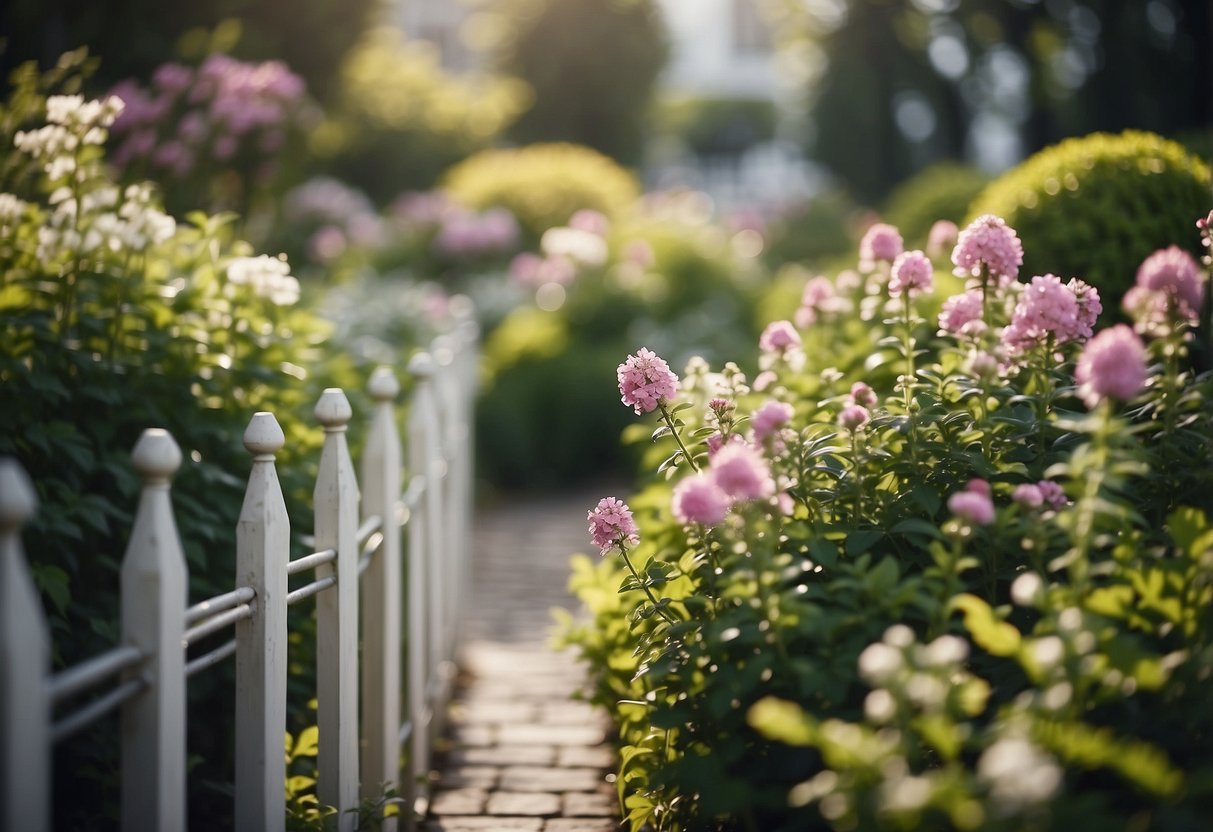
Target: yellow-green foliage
1094, 207
543, 184
939, 192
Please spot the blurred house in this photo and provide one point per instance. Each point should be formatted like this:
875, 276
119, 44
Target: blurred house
719, 122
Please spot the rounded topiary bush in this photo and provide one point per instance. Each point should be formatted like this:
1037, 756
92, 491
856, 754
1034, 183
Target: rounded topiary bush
543, 184
942, 191
1094, 207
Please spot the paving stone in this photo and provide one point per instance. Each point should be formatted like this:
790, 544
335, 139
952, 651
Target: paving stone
557, 735
468, 801
536, 779
503, 755
601, 757
570, 713
478, 777
589, 805
490, 711
581, 825
481, 823
534, 804
473, 735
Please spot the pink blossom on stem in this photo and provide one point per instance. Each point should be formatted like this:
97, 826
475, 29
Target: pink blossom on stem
1046, 307
779, 337
1089, 306
590, 220
612, 525
1112, 365
1028, 495
881, 243
742, 473
960, 315
1175, 276
1052, 494
912, 274
819, 298
645, 381
973, 505
989, 242
853, 417
863, 395
698, 499
942, 237
769, 418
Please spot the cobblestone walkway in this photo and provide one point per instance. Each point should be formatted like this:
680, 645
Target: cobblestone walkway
522, 755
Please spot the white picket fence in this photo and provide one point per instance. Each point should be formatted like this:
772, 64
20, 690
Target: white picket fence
146, 675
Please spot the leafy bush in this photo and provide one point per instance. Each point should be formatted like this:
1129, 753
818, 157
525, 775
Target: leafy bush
1091, 207
710, 126
817, 230
400, 120
940, 192
911, 574
116, 318
543, 185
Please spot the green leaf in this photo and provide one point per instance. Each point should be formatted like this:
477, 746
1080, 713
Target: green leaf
915, 525
998, 638
860, 541
823, 552
308, 743
782, 721
1190, 530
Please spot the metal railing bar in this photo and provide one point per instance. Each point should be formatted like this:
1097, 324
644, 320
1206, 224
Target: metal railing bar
209, 659
310, 590
369, 526
372, 547
311, 561
90, 713
213, 625
412, 494
73, 680
219, 603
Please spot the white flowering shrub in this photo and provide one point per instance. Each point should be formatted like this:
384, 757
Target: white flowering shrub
920, 574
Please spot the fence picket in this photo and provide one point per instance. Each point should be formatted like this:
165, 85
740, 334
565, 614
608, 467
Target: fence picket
25, 657
262, 552
336, 506
381, 615
153, 621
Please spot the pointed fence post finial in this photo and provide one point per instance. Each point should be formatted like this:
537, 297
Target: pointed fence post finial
156, 456
263, 437
333, 411
421, 365
383, 386
18, 502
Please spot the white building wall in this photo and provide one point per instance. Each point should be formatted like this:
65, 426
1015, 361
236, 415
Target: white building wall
711, 54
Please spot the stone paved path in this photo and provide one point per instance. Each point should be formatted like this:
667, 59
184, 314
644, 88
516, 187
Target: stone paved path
522, 755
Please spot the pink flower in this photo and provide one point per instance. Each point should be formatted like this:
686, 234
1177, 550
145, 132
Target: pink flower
881, 242
611, 525
1089, 306
1112, 365
1046, 307
973, 505
863, 395
645, 381
698, 499
961, 315
912, 273
764, 380
942, 237
1052, 494
853, 417
818, 298
989, 242
769, 418
742, 473
780, 337
1175, 274
589, 220
1028, 495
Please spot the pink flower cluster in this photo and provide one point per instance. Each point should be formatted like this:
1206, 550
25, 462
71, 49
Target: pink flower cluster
1112, 365
768, 419
988, 242
881, 243
961, 315
973, 505
222, 108
1044, 493
779, 337
912, 274
530, 269
646, 381
738, 473
612, 525
942, 237
340, 216
468, 234
1169, 292
1047, 307
819, 299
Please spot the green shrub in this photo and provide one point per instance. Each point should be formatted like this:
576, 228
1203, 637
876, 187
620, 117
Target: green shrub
543, 184
1094, 207
717, 125
940, 192
816, 230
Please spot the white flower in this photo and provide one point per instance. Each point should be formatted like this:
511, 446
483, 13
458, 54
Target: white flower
268, 277
1026, 589
1048, 651
879, 662
879, 706
1018, 773
579, 246
945, 650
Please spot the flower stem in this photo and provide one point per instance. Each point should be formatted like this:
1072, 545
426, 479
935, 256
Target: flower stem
647, 590
669, 420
